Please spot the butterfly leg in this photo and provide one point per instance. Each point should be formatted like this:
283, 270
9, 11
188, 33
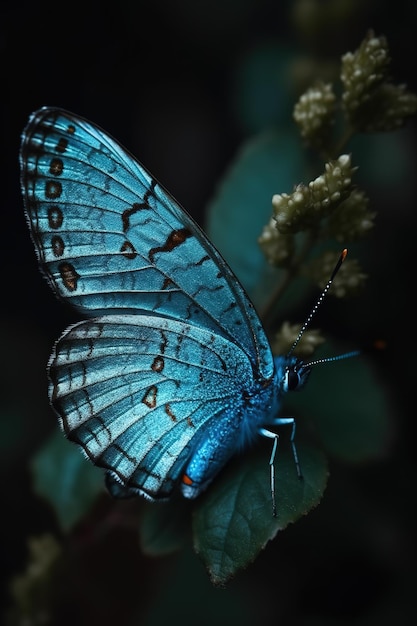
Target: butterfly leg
280, 421
275, 437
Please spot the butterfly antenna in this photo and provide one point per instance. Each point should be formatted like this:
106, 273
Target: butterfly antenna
318, 303
339, 357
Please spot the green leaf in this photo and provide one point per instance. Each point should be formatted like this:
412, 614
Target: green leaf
233, 521
66, 479
348, 408
268, 164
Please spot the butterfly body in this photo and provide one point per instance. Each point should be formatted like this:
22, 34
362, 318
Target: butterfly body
171, 372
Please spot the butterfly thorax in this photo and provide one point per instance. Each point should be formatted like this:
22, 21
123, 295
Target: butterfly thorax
261, 403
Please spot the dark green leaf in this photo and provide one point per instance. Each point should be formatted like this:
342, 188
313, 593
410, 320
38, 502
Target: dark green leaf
271, 163
233, 521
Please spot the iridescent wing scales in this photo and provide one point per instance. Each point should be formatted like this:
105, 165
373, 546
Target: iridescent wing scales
111, 239
136, 391
165, 372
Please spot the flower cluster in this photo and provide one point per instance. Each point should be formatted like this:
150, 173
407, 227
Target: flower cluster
370, 102
308, 204
288, 333
314, 113
352, 219
349, 280
277, 248
31, 589
330, 206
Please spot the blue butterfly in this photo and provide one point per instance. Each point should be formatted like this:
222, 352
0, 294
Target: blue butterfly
172, 372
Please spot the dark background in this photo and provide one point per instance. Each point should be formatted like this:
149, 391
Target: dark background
163, 78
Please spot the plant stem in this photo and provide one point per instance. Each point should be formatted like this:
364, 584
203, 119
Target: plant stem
291, 272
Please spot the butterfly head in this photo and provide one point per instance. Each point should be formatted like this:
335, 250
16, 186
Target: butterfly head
295, 375
291, 373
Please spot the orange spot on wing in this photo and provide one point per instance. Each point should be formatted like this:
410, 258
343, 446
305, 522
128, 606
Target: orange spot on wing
186, 480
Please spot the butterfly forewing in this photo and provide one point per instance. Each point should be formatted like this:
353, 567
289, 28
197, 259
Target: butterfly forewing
110, 239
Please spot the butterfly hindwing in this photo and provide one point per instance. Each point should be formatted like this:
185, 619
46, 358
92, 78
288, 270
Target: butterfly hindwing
137, 392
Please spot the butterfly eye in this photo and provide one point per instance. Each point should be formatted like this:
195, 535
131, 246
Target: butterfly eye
291, 380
